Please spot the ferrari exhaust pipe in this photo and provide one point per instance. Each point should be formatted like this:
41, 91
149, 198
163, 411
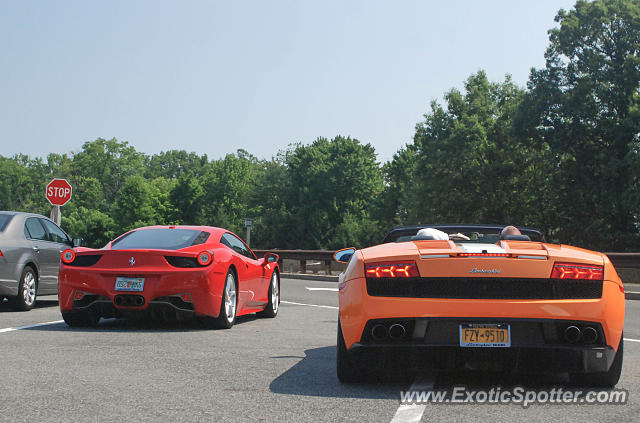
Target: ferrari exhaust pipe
118, 300
589, 335
572, 334
397, 331
139, 300
379, 333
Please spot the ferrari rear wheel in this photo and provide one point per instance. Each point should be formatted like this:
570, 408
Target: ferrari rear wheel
348, 369
606, 379
271, 310
26, 298
80, 318
228, 306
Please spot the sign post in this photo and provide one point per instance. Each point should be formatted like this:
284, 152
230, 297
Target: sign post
247, 224
58, 192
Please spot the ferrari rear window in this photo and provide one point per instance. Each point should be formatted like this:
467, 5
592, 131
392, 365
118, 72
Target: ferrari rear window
160, 239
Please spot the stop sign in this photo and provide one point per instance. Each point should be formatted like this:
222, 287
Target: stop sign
58, 192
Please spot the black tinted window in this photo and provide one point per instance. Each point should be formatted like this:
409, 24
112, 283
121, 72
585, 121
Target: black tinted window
160, 239
4, 221
237, 245
34, 230
55, 233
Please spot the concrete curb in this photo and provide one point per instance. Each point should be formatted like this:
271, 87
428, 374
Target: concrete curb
308, 277
632, 295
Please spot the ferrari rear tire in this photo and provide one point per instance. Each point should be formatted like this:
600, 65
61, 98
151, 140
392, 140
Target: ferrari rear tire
80, 318
228, 306
271, 310
348, 369
27, 288
607, 379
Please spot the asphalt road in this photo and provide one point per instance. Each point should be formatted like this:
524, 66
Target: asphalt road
280, 369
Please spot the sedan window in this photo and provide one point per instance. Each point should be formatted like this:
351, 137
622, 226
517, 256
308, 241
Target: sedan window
55, 233
34, 229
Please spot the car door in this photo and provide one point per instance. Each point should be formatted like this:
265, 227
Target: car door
248, 272
57, 242
37, 240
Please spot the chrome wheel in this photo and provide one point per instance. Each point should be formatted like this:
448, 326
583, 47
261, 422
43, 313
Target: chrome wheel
230, 298
29, 288
275, 293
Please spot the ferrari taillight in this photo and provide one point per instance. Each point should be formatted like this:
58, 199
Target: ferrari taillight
401, 269
204, 258
577, 271
68, 256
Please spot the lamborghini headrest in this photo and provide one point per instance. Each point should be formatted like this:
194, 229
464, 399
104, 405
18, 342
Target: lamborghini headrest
516, 238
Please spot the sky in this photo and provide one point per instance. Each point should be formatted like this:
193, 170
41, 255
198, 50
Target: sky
216, 76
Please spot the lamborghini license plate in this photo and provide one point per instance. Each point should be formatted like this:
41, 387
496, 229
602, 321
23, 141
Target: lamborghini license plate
485, 335
129, 284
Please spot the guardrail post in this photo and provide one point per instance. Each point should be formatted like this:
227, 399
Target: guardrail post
327, 266
303, 266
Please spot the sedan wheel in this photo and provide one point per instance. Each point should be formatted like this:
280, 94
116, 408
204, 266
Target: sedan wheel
26, 298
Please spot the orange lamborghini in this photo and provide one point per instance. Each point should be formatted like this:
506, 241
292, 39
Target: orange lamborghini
473, 299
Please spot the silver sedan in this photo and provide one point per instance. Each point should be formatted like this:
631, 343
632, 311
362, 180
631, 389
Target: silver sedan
30, 247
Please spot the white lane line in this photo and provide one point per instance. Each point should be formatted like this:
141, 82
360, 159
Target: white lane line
407, 413
632, 340
308, 305
309, 288
30, 326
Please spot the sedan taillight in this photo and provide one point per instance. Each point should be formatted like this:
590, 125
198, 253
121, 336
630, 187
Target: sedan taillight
577, 271
397, 269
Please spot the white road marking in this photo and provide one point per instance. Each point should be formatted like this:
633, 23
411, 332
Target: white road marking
322, 289
308, 305
30, 326
413, 412
632, 340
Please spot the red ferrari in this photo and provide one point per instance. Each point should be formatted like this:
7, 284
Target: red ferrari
168, 272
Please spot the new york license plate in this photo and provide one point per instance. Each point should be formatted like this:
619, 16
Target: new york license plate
129, 284
485, 335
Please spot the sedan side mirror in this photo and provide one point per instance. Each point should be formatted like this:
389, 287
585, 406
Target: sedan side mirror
271, 257
344, 255
78, 242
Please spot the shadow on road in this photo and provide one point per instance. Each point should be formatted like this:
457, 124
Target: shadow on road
315, 375
6, 308
133, 325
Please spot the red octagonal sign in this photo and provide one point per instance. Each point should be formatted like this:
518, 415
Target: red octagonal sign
58, 192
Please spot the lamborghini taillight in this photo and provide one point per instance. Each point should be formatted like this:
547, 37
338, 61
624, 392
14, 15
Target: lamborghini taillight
396, 269
577, 271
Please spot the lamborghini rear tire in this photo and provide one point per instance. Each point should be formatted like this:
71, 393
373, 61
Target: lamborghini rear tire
348, 369
607, 379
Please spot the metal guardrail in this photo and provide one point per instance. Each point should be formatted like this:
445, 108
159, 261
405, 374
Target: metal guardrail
619, 260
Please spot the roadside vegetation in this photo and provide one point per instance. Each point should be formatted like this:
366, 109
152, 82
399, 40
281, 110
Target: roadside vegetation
561, 154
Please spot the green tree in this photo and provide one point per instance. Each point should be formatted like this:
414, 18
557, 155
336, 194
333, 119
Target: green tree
331, 184
584, 105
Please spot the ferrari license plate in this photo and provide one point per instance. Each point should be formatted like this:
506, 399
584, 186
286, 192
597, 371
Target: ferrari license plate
485, 335
129, 284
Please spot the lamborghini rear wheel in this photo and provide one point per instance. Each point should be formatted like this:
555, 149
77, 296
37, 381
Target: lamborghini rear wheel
348, 369
606, 379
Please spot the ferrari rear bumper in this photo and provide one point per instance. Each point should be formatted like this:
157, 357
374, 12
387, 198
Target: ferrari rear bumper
161, 308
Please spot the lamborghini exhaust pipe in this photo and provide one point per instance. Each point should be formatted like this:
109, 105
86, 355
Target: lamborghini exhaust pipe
379, 333
589, 335
397, 331
572, 334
